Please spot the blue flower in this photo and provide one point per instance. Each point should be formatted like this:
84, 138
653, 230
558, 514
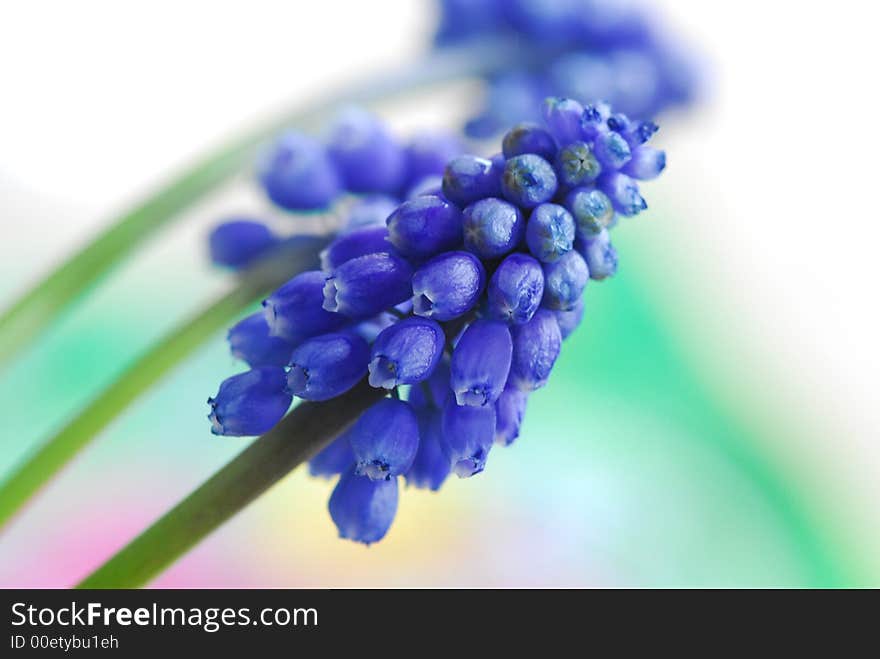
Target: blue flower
431, 465
467, 179
363, 509
600, 255
355, 243
510, 409
492, 227
368, 285
295, 311
564, 281
529, 138
406, 352
408, 303
385, 440
448, 286
326, 366
591, 209
250, 341
550, 232
366, 154
579, 49
623, 192
577, 165
249, 403
298, 175
528, 180
425, 226
481, 363
468, 435
536, 346
516, 289
237, 243
563, 117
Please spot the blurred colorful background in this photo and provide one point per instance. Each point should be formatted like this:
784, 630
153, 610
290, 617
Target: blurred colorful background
714, 421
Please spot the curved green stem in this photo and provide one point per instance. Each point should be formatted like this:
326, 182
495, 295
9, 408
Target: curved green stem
27, 317
60, 449
304, 432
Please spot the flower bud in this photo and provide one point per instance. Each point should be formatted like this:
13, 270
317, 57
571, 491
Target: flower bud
577, 165
298, 175
238, 243
481, 363
326, 366
600, 255
529, 138
366, 154
591, 209
467, 179
646, 163
294, 312
623, 193
406, 352
564, 281
425, 226
249, 403
492, 228
528, 180
516, 289
563, 118
249, 341
363, 510
536, 346
510, 409
385, 439
448, 286
550, 232
468, 435
367, 285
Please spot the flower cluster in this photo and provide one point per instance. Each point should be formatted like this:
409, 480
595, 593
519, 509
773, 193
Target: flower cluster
457, 304
586, 49
302, 174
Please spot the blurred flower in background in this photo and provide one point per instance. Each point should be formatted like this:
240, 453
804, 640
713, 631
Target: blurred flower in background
589, 50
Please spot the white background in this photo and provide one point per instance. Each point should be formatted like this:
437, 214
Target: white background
775, 177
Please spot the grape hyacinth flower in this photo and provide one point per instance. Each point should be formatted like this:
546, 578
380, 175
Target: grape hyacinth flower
250, 341
456, 303
326, 366
363, 509
237, 243
481, 363
249, 403
516, 289
406, 352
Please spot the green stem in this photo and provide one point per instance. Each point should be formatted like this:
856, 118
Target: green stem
28, 316
304, 432
60, 449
